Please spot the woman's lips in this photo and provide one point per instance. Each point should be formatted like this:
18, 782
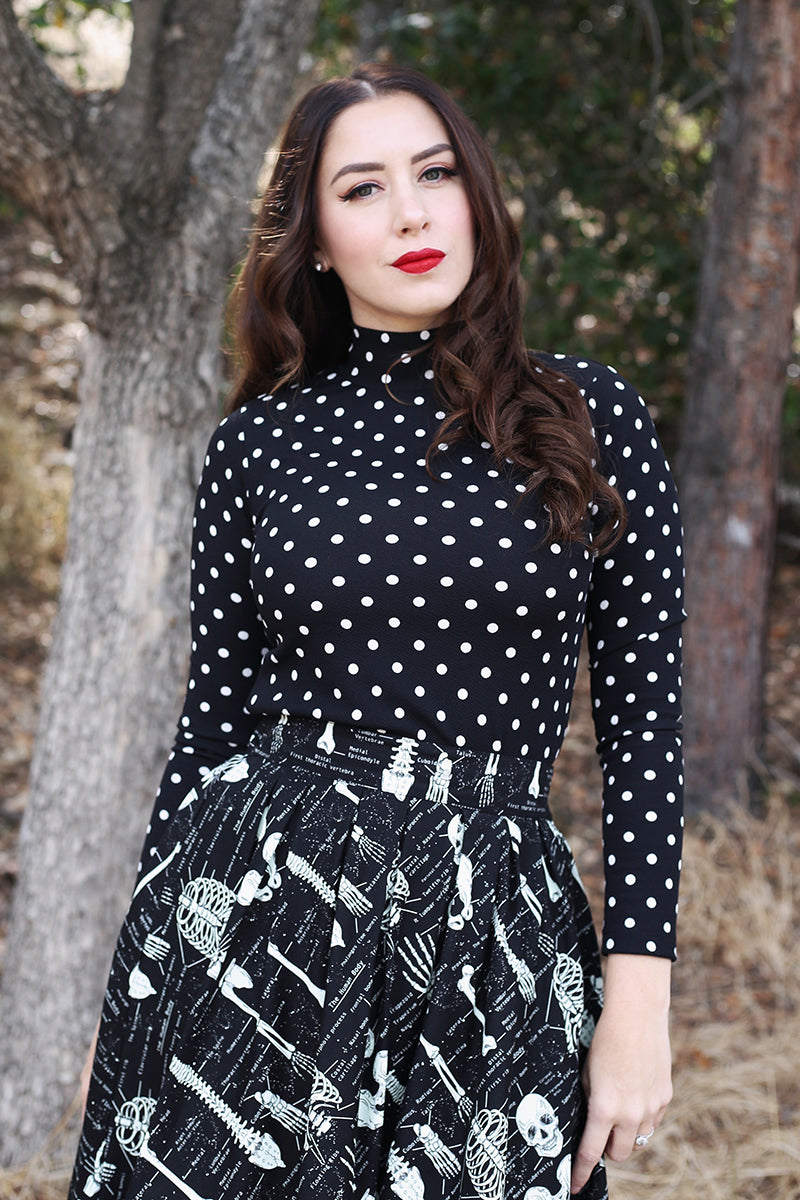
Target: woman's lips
416, 262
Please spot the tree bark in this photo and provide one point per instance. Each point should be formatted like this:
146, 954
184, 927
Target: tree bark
146, 194
736, 382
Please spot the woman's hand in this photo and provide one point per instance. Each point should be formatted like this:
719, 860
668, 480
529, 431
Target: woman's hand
86, 1072
627, 1076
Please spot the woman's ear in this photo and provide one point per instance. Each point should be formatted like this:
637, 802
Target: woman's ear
320, 263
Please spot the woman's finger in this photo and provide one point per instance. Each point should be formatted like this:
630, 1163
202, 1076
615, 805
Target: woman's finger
616, 1142
643, 1137
590, 1150
621, 1142
86, 1073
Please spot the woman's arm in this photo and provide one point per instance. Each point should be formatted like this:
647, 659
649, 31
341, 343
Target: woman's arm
227, 633
627, 1075
634, 618
86, 1071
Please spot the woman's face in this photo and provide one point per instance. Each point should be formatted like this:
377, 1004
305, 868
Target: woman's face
393, 220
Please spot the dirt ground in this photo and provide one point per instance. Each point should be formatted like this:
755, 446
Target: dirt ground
733, 1130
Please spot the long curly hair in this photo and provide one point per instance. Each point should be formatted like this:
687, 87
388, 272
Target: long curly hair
289, 320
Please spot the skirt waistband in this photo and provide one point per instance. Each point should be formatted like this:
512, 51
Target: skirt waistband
405, 765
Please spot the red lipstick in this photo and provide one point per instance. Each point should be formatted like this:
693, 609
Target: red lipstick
417, 262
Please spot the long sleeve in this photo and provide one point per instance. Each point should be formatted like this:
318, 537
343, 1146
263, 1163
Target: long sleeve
228, 637
634, 627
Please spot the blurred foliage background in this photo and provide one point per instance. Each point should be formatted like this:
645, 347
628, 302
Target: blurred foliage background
602, 117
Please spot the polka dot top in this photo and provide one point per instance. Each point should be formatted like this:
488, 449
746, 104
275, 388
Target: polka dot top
333, 577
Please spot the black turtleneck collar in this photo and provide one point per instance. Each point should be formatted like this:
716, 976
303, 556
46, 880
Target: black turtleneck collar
389, 357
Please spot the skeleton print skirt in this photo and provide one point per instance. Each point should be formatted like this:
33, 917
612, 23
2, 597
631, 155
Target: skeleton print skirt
361, 969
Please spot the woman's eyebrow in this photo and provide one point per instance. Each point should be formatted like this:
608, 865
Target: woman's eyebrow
357, 168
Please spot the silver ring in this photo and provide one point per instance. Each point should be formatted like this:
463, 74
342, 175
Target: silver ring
642, 1139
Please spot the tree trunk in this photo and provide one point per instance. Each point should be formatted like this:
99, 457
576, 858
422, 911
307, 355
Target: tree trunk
154, 196
736, 383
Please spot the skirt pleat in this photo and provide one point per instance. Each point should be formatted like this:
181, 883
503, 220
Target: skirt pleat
357, 968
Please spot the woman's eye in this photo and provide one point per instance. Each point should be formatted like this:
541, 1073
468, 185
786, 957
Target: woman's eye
362, 191
437, 174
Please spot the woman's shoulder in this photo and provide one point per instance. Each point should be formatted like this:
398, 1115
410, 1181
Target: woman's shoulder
249, 415
240, 433
608, 394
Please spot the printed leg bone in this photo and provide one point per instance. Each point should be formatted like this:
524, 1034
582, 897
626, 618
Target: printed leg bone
317, 992
465, 986
235, 976
446, 1075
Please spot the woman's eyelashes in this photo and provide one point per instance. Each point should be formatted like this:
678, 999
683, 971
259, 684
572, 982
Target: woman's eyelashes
361, 191
433, 174
438, 174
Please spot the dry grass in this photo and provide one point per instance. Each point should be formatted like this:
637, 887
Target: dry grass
46, 1176
733, 1129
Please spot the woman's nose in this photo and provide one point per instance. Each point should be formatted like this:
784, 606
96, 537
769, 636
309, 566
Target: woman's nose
410, 215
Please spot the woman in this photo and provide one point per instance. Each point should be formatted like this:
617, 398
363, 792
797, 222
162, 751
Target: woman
358, 960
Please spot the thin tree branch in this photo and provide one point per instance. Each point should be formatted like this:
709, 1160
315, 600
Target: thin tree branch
177, 57
133, 106
657, 44
250, 99
47, 158
700, 96
38, 113
687, 34
650, 18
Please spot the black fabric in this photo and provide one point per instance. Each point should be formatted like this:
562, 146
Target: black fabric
332, 577
362, 967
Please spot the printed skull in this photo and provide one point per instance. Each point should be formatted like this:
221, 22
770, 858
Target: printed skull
538, 1124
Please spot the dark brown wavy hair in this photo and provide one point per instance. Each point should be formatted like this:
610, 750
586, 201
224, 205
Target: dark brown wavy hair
289, 320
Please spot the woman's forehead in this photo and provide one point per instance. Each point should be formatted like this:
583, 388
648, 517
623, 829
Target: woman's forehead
399, 124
